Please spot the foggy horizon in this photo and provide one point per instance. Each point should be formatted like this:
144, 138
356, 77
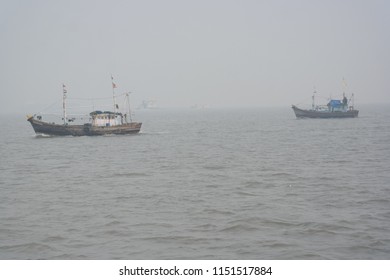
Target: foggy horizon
194, 53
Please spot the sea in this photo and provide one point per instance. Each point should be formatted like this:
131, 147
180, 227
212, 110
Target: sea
204, 184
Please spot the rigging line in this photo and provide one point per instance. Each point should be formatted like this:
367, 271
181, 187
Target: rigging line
48, 107
52, 114
91, 99
323, 97
81, 116
95, 98
85, 106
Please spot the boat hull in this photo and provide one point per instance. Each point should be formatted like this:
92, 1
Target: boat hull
41, 127
300, 113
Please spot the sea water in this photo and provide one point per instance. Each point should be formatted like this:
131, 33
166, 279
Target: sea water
249, 183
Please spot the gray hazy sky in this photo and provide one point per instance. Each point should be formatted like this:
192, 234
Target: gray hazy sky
182, 53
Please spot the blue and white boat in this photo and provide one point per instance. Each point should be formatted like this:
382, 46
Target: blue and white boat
335, 108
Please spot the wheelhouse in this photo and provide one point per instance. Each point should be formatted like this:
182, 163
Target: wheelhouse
106, 118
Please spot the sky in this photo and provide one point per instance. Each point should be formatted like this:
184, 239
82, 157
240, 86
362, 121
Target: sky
181, 53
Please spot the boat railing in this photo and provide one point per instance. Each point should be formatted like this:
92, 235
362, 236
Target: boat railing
322, 108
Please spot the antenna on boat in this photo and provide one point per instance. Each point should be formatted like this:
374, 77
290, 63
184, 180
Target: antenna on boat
313, 103
344, 86
128, 103
353, 100
113, 94
64, 92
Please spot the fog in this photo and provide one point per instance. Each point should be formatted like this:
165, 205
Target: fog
217, 53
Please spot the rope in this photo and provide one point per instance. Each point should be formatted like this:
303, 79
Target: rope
98, 98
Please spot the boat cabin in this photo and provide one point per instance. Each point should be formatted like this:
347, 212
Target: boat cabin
106, 118
338, 105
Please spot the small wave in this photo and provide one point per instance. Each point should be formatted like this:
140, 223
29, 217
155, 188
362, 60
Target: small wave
42, 135
323, 228
239, 228
242, 193
163, 225
379, 243
131, 174
246, 224
183, 239
206, 227
154, 132
214, 167
55, 238
123, 198
276, 223
32, 246
214, 186
307, 256
218, 212
252, 184
278, 245
340, 161
114, 232
112, 223
378, 201
69, 257
278, 174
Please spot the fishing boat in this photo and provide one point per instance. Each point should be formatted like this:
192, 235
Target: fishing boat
100, 122
335, 108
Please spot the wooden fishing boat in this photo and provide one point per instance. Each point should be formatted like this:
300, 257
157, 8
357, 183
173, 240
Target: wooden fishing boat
343, 108
101, 122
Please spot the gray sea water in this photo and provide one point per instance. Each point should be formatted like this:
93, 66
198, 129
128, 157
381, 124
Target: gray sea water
200, 184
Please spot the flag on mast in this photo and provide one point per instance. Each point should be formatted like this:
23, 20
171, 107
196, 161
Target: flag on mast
64, 89
113, 93
112, 81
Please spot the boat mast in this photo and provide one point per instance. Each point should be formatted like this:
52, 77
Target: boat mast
113, 94
345, 89
64, 91
353, 100
313, 103
344, 86
128, 102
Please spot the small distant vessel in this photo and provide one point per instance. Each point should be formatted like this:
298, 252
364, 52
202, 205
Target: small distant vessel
101, 122
148, 104
334, 109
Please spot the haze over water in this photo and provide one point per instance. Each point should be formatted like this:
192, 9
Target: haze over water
181, 53
200, 184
